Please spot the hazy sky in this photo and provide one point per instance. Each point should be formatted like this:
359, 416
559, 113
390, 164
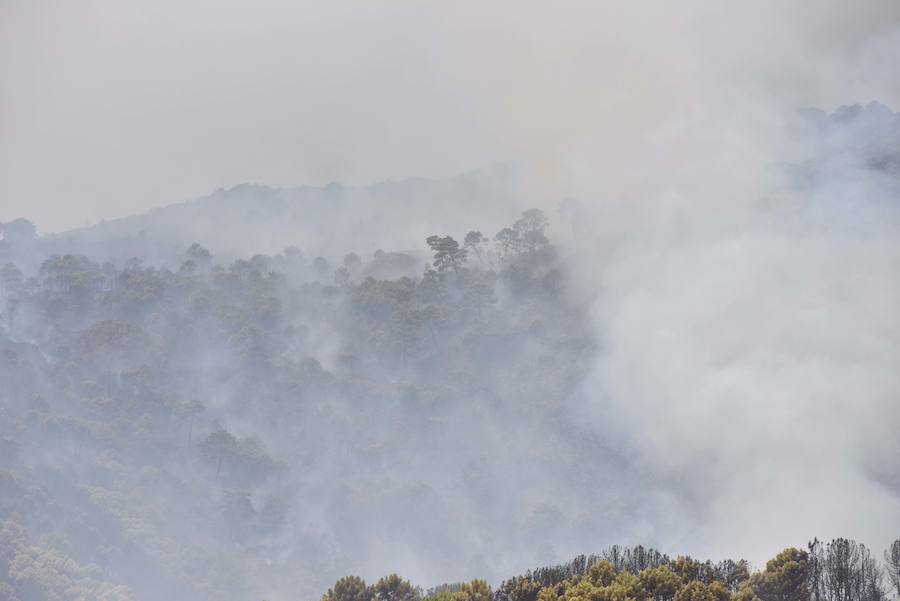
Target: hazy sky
109, 108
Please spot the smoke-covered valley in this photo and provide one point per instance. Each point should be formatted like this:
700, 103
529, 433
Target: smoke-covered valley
642, 289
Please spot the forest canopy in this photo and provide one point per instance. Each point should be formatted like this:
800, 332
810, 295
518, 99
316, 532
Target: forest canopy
841, 570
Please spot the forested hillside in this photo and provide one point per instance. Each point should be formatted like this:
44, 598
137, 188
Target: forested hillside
200, 427
242, 220
419, 301
221, 428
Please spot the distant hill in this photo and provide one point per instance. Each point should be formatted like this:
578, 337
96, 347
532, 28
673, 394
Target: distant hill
854, 144
853, 137
249, 219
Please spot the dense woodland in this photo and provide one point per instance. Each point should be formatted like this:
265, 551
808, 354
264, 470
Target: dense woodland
274, 405
218, 429
842, 570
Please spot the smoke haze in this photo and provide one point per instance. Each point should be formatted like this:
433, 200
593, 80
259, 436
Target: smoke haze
111, 108
723, 351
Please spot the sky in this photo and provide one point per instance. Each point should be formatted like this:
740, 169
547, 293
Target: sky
110, 108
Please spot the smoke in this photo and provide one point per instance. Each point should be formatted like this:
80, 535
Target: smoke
744, 277
751, 364
114, 108
739, 262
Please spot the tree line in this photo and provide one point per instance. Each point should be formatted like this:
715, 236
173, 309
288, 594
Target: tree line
841, 570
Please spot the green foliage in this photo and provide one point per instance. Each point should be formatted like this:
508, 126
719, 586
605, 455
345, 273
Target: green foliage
477, 590
518, 588
349, 588
602, 573
660, 582
687, 568
623, 574
784, 579
394, 588
29, 571
695, 590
